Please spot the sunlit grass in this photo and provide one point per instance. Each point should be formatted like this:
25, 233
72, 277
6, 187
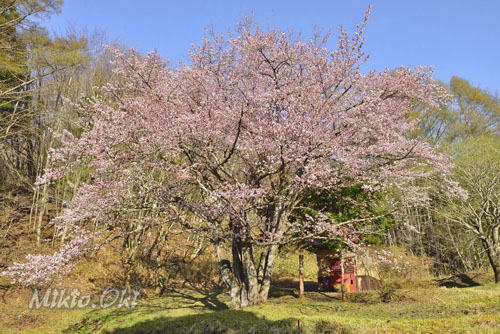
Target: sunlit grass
422, 310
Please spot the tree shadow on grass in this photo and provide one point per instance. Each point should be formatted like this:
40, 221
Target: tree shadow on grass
232, 321
208, 299
287, 289
458, 281
208, 314
196, 300
227, 321
290, 287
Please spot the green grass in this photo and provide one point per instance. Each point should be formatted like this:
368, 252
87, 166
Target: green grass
287, 266
421, 310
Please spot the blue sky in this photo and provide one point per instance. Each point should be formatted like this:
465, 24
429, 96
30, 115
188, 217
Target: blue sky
459, 37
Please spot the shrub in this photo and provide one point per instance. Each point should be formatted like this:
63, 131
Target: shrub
330, 327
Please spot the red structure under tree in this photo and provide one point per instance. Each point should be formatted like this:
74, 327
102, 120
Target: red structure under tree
335, 271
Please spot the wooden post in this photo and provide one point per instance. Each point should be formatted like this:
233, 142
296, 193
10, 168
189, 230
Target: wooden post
301, 273
342, 286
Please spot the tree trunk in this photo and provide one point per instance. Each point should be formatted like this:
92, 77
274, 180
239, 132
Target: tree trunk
225, 270
494, 258
277, 215
241, 277
247, 282
251, 281
40, 217
268, 270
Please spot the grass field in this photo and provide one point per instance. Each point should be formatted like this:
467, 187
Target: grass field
421, 310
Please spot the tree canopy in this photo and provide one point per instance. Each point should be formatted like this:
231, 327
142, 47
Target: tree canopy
230, 144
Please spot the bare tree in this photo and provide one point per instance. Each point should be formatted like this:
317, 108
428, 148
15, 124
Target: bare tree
478, 170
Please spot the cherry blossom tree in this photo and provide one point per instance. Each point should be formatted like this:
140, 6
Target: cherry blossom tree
228, 145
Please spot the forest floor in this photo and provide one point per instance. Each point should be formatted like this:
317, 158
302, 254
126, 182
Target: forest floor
438, 309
